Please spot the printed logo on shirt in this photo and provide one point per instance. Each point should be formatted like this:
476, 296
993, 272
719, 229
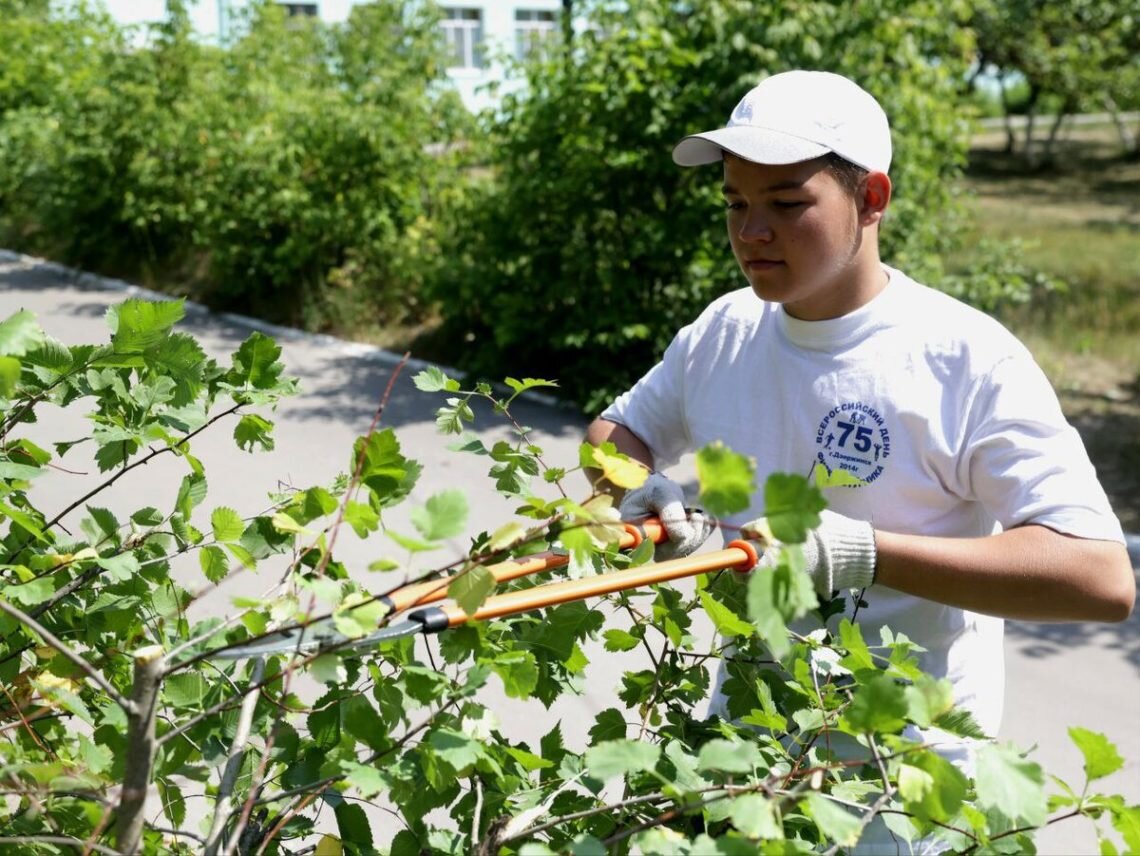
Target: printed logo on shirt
853, 437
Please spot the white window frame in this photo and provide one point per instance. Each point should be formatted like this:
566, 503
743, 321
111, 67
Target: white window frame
532, 28
463, 34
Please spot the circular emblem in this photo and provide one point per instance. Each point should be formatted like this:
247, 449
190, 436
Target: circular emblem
853, 437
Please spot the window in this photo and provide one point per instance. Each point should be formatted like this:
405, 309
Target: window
308, 10
463, 33
532, 28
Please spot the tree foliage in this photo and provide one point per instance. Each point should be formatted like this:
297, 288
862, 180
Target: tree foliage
1078, 55
587, 224
127, 728
284, 176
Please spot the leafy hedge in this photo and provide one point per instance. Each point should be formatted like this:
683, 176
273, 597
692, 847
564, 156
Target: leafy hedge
131, 726
588, 248
285, 176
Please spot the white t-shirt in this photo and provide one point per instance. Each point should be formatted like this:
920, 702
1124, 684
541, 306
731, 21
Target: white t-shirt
934, 405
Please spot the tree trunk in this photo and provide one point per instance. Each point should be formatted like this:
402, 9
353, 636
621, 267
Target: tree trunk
1047, 155
1127, 137
1010, 135
149, 666
1030, 152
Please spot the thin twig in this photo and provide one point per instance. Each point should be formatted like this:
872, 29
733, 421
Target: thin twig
66, 651
77, 843
234, 763
140, 462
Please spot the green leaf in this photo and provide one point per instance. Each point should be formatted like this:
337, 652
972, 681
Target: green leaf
9, 376
506, 536
1010, 784
191, 492
186, 689
520, 386
365, 778
792, 507
432, 379
352, 824
227, 524
756, 817
1101, 756
621, 757
618, 469
518, 671
947, 787
727, 622
608, 725
928, 699
457, 749
178, 358
879, 705
858, 654
139, 324
363, 519
253, 430
470, 588
255, 363
727, 480
213, 562
20, 333
728, 756
444, 515
1126, 821
149, 516
835, 823
835, 478
121, 568
30, 593
620, 640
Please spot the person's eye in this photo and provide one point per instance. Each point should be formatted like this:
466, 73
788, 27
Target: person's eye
787, 204
733, 206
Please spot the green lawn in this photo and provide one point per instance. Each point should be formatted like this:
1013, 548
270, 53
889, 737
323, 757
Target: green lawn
1081, 222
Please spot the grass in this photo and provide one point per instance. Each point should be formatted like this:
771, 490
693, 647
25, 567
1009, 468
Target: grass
1081, 223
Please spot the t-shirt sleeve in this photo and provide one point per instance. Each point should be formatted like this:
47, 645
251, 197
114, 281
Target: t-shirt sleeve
1026, 463
653, 408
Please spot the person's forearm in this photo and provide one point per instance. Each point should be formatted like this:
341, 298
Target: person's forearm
626, 442
1031, 573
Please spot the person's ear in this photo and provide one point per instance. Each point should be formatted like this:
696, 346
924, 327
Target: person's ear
875, 195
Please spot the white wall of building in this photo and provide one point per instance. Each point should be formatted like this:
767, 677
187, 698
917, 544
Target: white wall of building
497, 23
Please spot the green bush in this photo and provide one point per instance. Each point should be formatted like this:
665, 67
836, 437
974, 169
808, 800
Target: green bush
130, 726
586, 248
285, 176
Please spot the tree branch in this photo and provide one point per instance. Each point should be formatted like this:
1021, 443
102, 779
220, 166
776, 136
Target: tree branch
149, 664
235, 760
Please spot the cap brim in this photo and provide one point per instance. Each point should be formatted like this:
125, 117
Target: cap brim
759, 145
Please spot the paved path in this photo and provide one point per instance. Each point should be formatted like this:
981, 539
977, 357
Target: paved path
1058, 675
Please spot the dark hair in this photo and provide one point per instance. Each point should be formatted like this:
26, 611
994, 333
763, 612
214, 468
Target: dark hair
849, 175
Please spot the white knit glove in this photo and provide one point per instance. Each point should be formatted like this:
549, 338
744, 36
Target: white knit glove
687, 528
838, 554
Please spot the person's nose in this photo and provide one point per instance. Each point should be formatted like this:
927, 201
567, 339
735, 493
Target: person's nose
755, 227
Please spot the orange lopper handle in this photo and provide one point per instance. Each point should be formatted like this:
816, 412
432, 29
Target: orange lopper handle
738, 555
433, 590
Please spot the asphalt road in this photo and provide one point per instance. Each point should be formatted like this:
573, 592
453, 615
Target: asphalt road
1058, 675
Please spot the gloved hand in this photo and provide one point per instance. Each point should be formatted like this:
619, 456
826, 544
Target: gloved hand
687, 528
838, 554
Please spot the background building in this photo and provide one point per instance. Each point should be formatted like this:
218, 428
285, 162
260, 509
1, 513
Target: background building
479, 34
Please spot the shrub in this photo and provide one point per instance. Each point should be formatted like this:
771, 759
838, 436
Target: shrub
285, 176
586, 248
110, 689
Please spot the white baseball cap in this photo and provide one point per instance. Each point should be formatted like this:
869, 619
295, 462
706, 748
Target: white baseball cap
796, 116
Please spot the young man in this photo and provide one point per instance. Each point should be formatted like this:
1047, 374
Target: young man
977, 500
